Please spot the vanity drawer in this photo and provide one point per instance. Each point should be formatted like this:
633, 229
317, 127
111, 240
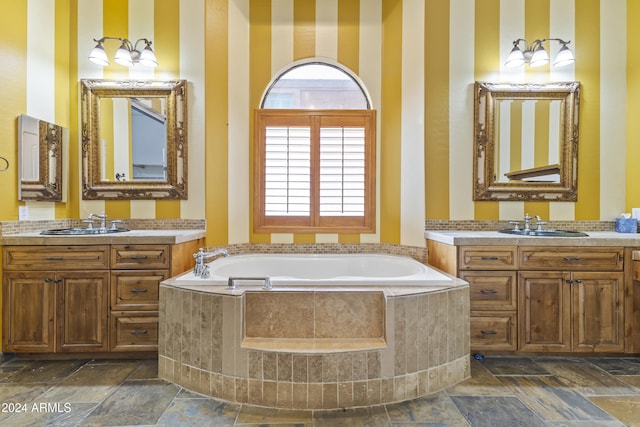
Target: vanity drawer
56, 258
134, 331
131, 257
563, 258
491, 290
136, 289
487, 258
493, 331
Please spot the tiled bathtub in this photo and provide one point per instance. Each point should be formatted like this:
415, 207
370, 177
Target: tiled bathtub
315, 347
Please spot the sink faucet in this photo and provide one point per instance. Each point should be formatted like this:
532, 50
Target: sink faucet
539, 223
202, 270
103, 221
527, 223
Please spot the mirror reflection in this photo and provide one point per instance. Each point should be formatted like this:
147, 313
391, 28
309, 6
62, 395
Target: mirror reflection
40, 159
526, 138
134, 139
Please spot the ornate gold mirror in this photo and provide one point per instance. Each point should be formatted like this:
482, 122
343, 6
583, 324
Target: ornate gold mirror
526, 141
40, 159
134, 139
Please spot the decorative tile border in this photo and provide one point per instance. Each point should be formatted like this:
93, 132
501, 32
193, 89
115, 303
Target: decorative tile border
8, 228
472, 225
417, 253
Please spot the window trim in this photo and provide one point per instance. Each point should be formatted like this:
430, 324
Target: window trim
314, 223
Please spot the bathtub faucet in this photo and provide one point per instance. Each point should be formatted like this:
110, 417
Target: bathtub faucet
201, 269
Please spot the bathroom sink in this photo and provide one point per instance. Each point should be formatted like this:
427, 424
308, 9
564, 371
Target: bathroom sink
81, 231
544, 233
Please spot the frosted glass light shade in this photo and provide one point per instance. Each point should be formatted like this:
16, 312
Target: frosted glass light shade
148, 58
123, 56
564, 57
540, 57
99, 56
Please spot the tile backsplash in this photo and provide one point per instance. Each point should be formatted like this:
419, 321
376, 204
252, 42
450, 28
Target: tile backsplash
473, 225
8, 228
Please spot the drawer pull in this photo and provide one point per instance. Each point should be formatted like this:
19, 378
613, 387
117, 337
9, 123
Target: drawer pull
139, 332
54, 258
488, 291
138, 291
488, 332
489, 258
138, 257
572, 258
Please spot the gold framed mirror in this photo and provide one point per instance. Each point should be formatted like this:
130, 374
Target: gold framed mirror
134, 139
526, 141
41, 146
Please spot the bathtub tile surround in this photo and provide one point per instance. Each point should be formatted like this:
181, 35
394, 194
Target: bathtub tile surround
201, 348
345, 316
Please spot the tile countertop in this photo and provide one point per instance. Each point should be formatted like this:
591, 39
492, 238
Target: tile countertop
141, 237
488, 238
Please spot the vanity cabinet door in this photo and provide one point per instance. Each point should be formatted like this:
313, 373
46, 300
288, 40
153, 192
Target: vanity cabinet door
598, 316
28, 310
544, 311
571, 311
83, 310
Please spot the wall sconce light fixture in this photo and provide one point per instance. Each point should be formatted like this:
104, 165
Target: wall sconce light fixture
127, 55
535, 55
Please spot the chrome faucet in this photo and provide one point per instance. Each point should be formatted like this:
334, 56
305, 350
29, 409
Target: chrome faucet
527, 223
201, 269
539, 223
103, 221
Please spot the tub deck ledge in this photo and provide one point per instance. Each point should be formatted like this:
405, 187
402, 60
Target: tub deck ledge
313, 345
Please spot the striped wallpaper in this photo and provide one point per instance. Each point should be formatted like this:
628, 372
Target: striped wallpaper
417, 58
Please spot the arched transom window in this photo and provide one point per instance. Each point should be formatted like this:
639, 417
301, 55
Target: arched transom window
315, 153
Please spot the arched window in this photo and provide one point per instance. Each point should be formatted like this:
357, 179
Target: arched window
315, 86
315, 153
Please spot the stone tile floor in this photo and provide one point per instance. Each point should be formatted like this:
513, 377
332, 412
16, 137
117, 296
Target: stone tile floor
503, 391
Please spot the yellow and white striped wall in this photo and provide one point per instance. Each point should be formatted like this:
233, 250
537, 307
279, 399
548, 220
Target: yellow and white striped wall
417, 58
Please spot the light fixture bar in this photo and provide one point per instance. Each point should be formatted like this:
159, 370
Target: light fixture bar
535, 54
127, 54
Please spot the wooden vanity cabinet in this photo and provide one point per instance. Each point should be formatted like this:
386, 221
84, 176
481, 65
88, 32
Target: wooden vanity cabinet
87, 298
490, 271
547, 299
55, 299
564, 305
